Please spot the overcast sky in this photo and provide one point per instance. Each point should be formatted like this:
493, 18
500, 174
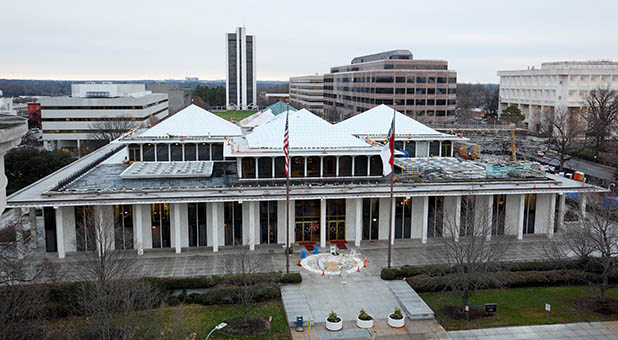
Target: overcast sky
156, 39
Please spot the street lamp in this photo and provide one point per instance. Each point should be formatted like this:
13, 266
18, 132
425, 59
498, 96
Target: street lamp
217, 327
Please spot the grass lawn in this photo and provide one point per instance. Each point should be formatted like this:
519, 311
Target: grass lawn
235, 115
521, 306
201, 320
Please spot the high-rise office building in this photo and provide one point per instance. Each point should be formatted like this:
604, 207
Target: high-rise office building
240, 83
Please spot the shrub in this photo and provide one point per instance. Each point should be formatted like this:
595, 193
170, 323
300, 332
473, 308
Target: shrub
397, 314
363, 315
173, 301
332, 317
291, 278
390, 274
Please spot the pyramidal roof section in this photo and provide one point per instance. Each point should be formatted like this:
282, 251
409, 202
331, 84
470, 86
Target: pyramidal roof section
306, 131
193, 121
377, 122
279, 107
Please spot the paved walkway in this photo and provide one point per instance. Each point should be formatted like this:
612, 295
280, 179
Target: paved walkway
571, 331
413, 330
202, 261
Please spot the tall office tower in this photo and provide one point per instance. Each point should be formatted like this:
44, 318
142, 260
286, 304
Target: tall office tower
240, 86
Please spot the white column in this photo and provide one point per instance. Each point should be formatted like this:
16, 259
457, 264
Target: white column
321, 166
305, 166
424, 220
272, 162
440, 149
138, 227
34, 231
176, 221
552, 215
215, 226
323, 223
452, 214
256, 168
358, 222
79, 151
252, 224
483, 208
520, 220
337, 166
561, 211
59, 233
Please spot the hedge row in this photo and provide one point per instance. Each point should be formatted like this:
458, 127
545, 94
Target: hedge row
169, 284
439, 270
227, 295
515, 279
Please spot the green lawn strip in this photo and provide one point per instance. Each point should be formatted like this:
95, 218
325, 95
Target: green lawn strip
200, 320
521, 306
235, 115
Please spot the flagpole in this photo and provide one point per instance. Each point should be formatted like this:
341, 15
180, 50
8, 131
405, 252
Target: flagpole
287, 202
390, 214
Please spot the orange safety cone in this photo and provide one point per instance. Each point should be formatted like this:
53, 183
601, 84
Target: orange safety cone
534, 186
299, 191
323, 274
299, 261
582, 184
346, 189
365, 265
358, 269
550, 185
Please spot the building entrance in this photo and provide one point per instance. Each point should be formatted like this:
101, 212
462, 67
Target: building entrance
335, 220
307, 221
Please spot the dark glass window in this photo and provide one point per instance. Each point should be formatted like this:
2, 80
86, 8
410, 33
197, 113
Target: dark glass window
265, 167
441, 80
435, 215
420, 102
431, 91
248, 167
268, 222
176, 151
403, 218
203, 152
313, 166
123, 226
421, 79
345, 166
160, 225
400, 91
384, 79
431, 80
217, 151
411, 148
298, 166
162, 153
197, 216
84, 228
375, 166
360, 166
421, 91
280, 167
335, 219
135, 153
371, 218
400, 79
330, 166
529, 213
149, 152
190, 152
498, 215
410, 90
434, 148
232, 223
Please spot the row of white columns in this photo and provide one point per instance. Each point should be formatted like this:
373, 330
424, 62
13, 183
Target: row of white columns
142, 224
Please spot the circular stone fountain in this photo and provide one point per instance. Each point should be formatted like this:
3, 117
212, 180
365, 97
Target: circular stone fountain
332, 264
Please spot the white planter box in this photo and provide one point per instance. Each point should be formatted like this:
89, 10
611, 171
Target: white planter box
334, 326
396, 323
364, 323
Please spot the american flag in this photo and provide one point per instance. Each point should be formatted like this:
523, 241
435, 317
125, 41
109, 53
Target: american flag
286, 145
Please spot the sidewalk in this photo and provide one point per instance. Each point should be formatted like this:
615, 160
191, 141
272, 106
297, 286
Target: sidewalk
414, 329
571, 331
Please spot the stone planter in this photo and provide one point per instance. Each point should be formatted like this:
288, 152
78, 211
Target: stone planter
396, 323
364, 323
334, 326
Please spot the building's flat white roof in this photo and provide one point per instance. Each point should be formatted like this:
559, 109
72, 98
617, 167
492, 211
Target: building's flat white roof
172, 169
193, 121
377, 122
257, 118
306, 130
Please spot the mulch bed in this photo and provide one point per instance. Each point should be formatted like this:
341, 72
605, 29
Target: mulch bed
592, 304
457, 313
238, 327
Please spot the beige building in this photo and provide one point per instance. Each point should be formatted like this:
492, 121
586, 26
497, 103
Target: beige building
422, 89
564, 84
307, 92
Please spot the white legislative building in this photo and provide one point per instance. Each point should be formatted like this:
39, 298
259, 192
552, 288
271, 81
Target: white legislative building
196, 180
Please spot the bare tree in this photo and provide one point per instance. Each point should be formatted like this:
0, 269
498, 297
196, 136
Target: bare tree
592, 239
112, 294
561, 130
469, 249
109, 129
244, 266
601, 115
22, 304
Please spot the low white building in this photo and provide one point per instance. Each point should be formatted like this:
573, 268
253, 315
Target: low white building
68, 121
563, 84
197, 180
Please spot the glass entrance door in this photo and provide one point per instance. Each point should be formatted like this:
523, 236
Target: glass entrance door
335, 220
307, 221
